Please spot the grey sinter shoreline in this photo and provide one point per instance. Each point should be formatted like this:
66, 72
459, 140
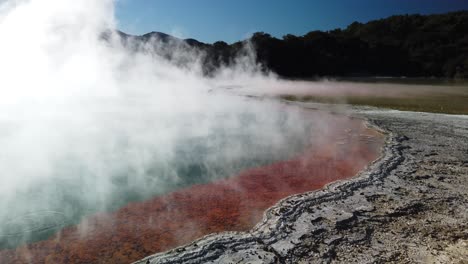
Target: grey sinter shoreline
410, 206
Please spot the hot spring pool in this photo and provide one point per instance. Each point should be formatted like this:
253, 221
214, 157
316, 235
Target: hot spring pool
75, 172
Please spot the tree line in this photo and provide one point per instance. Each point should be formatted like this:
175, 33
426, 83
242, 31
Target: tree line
401, 45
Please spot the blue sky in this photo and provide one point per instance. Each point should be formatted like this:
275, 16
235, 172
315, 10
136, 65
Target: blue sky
233, 20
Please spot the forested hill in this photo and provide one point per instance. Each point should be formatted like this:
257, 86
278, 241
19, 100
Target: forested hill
408, 45
403, 45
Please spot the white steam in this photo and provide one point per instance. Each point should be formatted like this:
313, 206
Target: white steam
87, 124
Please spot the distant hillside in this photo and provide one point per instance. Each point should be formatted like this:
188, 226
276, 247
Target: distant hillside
404, 45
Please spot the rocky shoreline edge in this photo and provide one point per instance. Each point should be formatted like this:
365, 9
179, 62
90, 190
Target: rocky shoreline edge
410, 205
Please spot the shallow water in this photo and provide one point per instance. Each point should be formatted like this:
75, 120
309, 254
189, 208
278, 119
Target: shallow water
119, 171
332, 148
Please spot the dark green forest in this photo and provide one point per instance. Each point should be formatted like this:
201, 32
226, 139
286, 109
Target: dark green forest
402, 45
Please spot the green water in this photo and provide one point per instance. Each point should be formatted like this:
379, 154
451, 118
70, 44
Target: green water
79, 186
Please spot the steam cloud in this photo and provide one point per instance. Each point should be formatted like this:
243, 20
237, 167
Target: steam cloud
88, 124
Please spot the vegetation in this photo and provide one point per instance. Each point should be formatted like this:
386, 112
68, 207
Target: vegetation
404, 45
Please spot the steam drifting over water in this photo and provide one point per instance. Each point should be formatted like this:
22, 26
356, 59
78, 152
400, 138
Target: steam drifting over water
87, 124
